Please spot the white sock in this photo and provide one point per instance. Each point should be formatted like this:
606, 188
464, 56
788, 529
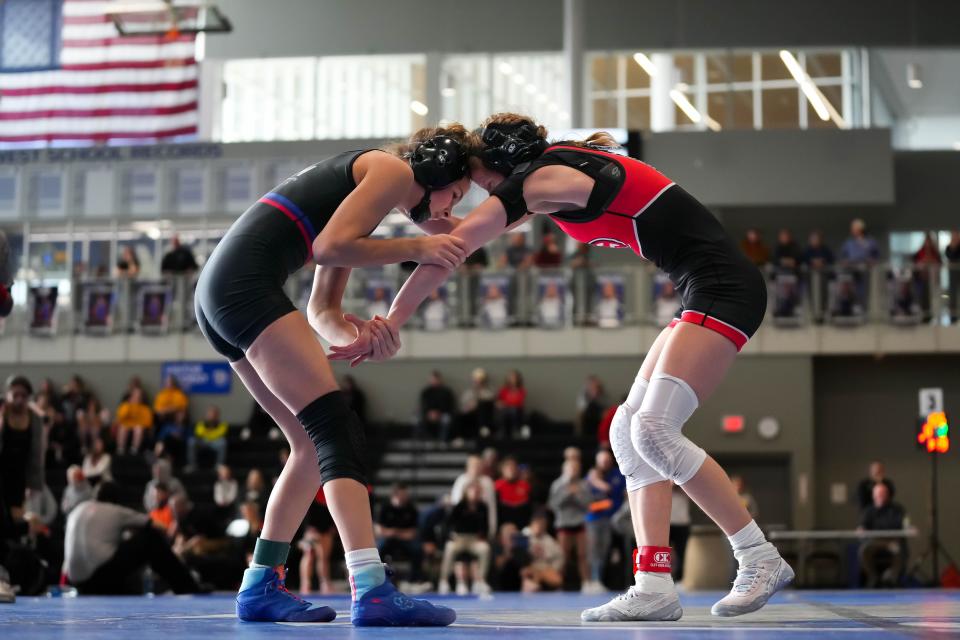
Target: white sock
366, 570
654, 582
750, 543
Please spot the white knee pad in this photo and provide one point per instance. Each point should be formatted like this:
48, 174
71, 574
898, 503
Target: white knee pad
632, 465
655, 430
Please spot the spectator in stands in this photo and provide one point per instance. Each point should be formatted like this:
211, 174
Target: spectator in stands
512, 554
667, 303
494, 308
355, 397
490, 462
133, 420
550, 307
549, 255
97, 465
679, 529
511, 401
607, 488
754, 248
128, 265
77, 490
581, 257
396, 528
170, 402
517, 254
817, 255
135, 383
437, 407
161, 474
609, 308
22, 448
473, 474
740, 485
477, 405
591, 405
225, 490
162, 513
41, 503
876, 474
379, 304
952, 253
545, 571
179, 260
74, 398
433, 528
256, 490
100, 559
513, 495
926, 262
882, 559
91, 421
859, 248
317, 545
469, 523
570, 499
209, 433
63, 445
786, 254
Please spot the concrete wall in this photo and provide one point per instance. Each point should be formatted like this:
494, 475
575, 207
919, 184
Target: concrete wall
866, 409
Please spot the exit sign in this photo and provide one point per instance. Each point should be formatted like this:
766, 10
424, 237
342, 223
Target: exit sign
733, 424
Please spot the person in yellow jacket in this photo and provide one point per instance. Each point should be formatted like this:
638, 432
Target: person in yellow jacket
211, 433
133, 417
170, 401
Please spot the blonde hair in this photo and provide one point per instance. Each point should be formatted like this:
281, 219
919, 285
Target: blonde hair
597, 139
469, 141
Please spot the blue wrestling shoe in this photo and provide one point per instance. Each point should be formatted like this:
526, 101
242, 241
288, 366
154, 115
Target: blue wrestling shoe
384, 606
264, 597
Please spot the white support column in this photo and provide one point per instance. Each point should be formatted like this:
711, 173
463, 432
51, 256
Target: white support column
434, 99
573, 59
662, 110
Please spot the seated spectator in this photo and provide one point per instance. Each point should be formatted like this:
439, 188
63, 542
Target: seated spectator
859, 248
754, 248
162, 514
490, 462
473, 474
847, 302
545, 571
435, 314
513, 495
511, 401
41, 504
517, 254
749, 502
817, 255
607, 488
467, 546
161, 473
786, 253
74, 399
396, 526
63, 445
882, 559
667, 303
379, 304
22, 447
209, 433
550, 306
256, 490
549, 256
194, 534
609, 307
100, 559
512, 555
77, 490
128, 265
570, 500
225, 490
97, 463
591, 405
494, 309
437, 407
477, 405
317, 545
179, 260
787, 301
91, 422
133, 418
170, 407
876, 474
133, 384
355, 397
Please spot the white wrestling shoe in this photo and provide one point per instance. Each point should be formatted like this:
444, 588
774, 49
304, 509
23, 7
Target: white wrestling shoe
636, 606
756, 583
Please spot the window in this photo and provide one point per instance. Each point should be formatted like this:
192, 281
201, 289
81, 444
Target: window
29, 34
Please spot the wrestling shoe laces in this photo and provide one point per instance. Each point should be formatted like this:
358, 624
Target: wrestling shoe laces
282, 585
746, 579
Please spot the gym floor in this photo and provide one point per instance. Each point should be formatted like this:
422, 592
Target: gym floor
794, 614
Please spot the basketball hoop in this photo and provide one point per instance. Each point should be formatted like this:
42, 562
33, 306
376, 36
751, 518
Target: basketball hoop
167, 19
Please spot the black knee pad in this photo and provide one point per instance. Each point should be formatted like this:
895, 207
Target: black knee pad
338, 435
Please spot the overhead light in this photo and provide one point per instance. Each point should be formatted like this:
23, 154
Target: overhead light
419, 108
825, 110
646, 63
448, 92
681, 100
914, 81
505, 68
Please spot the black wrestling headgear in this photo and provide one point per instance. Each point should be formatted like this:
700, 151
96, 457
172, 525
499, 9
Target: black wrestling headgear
437, 163
507, 145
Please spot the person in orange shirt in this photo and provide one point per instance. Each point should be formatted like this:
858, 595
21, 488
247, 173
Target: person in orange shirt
133, 417
162, 515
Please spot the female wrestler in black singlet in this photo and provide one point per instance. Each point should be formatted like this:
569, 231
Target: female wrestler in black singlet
611, 200
324, 215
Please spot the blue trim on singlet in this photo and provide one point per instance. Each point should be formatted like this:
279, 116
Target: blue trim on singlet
289, 204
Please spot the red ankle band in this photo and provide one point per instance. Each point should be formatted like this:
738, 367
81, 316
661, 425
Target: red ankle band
653, 559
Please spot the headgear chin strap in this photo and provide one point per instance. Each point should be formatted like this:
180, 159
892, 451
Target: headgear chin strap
507, 145
436, 163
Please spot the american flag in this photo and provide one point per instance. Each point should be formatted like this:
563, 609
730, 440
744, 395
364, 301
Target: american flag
94, 86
